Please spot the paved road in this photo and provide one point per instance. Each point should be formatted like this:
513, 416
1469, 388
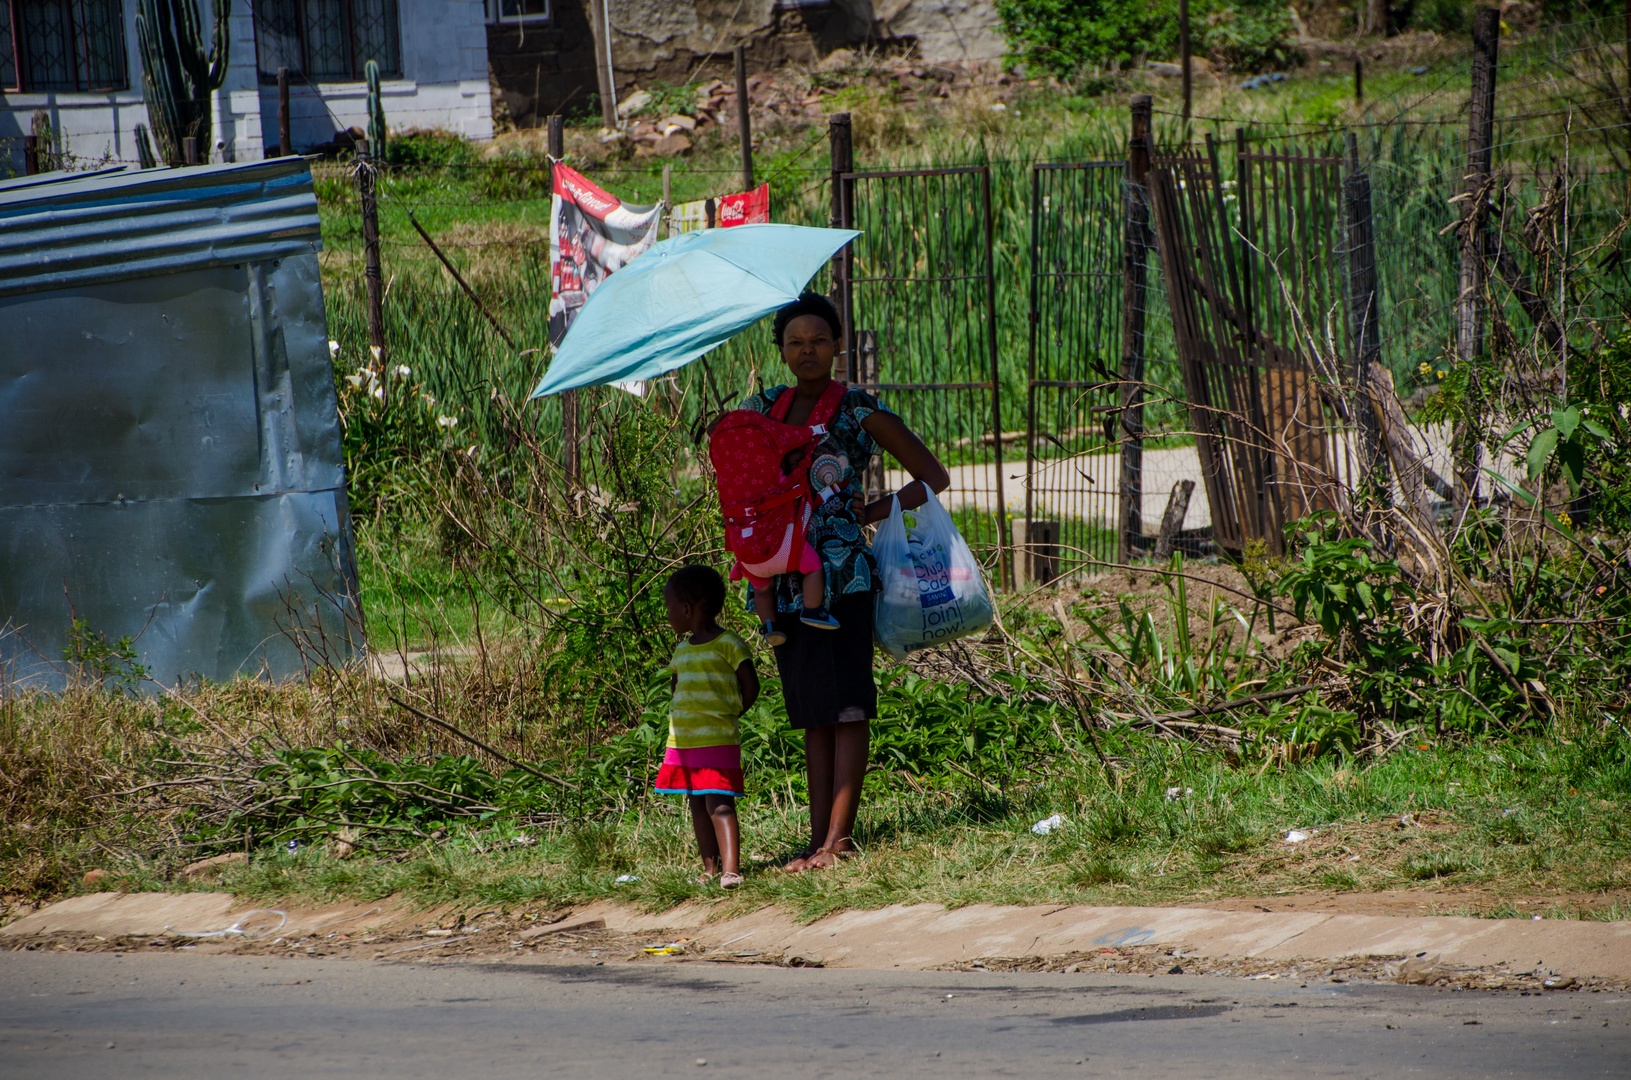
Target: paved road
102, 1015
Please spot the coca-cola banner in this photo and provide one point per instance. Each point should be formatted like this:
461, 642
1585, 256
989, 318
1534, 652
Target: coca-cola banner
593, 233
743, 208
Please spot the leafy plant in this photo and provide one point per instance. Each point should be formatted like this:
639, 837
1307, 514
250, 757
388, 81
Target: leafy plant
1071, 38
101, 663
667, 99
1251, 37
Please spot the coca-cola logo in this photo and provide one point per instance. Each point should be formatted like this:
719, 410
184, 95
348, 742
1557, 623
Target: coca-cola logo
589, 197
731, 212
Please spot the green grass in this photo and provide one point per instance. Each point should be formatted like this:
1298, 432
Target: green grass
959, 843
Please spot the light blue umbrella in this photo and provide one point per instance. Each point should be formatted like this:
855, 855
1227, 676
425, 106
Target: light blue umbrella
682, 297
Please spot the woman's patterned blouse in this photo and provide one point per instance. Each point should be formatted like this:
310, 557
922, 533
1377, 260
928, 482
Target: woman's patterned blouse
841, 457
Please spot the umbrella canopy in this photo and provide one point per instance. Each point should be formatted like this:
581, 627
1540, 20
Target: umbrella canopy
682, 297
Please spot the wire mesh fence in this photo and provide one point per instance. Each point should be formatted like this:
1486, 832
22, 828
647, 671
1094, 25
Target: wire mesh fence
1046, 241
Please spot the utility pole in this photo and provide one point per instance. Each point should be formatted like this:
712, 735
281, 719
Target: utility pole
839, 135
1134, 281
1467, 438
555, 147
743, 120
1183, 52
1364, 325
600, 25
373, 281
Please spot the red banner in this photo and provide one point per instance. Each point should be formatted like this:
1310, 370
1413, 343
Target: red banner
593, 233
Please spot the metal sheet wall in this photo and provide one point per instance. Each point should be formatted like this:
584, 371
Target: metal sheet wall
170, 460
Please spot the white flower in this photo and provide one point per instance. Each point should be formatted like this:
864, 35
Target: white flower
374, 349
428, 399
404, 370
354, 380
379, 392
333, 349
447, 421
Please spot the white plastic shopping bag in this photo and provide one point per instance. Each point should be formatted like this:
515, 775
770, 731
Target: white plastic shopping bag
933, 591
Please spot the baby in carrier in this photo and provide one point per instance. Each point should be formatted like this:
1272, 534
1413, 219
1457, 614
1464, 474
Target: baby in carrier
763, 470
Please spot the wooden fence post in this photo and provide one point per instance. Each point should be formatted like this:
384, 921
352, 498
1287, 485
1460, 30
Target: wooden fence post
1359, 81
571, 437
1134, 281
1466, 443
31, 155
285, 144
843, 161
189, 150
1364, 326
1183, 53
373, 281
744, 123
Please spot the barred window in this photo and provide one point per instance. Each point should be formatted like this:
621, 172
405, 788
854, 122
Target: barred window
62, 45
327, 39
507, 11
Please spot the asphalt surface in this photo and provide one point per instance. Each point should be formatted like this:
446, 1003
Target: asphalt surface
182, 1016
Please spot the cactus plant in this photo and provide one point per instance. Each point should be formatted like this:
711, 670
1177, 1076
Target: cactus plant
177, 76
144, 148
376, 113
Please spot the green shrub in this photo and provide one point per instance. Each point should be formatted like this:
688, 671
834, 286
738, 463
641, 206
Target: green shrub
418, 148
1251, 37
1069, 38
1439, 16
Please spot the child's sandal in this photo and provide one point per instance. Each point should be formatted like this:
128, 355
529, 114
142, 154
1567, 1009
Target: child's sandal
730, 880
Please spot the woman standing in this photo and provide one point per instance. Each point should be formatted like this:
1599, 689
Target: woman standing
827, 674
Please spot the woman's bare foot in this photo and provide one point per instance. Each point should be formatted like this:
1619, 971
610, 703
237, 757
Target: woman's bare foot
799, 863
826, 858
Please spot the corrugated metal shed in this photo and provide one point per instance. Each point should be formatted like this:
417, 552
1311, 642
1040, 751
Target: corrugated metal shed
170, 458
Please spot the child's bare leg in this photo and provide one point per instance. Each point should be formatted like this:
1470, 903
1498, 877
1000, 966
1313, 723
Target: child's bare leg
704, 826
764, 604
815, 589
722, 809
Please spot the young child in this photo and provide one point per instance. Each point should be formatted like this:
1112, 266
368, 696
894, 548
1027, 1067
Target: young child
813, 587
713, 684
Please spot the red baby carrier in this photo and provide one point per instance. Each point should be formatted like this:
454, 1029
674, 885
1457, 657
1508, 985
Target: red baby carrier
758, 500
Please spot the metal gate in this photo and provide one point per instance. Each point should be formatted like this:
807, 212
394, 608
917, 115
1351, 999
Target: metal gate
919, 293
1254, 283
1072, 464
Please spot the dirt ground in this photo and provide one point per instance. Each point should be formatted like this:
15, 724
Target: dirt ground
1418, 970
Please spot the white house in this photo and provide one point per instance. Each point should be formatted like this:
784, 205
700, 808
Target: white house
77, 60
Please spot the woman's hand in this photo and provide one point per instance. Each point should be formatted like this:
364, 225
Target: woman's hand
891, 433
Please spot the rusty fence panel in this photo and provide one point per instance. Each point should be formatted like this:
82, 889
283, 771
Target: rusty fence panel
1072, 442
1253, 267
920, 293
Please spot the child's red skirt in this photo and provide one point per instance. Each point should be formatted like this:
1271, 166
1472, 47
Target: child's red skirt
701, 770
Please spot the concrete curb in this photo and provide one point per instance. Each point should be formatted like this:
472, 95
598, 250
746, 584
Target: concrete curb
924, 936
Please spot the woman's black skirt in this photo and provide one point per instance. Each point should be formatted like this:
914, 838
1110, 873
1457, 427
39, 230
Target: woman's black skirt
824, 672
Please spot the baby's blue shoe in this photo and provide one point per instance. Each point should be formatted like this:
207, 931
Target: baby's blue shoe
819, 618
